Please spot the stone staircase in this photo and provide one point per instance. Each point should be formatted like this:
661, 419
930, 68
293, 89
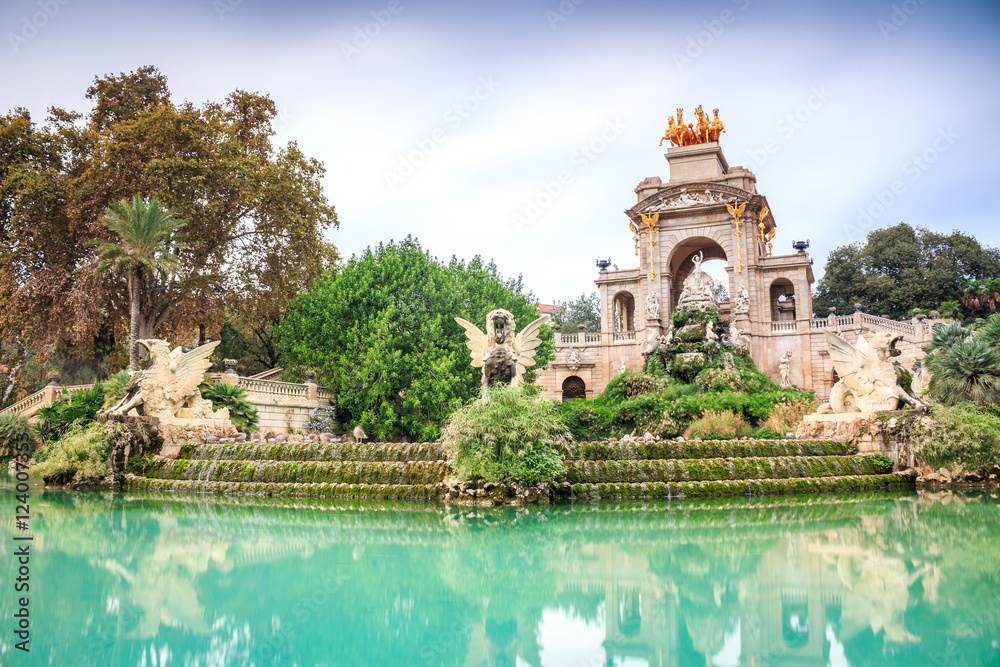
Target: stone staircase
594, 471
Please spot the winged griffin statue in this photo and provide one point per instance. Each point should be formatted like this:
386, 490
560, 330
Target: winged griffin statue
170, 383
868, 381
502, 355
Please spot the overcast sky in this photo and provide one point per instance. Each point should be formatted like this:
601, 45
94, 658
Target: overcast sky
446, 120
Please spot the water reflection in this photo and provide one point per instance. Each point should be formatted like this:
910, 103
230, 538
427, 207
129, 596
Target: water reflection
841, 580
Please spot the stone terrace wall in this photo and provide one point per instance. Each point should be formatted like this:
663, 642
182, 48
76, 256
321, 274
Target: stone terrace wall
281, 406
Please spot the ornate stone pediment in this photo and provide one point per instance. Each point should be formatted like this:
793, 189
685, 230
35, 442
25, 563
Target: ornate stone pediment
689, 195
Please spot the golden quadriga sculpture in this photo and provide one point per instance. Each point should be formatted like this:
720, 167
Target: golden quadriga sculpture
503, 356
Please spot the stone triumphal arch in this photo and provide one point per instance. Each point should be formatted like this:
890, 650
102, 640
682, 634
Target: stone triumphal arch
711, 208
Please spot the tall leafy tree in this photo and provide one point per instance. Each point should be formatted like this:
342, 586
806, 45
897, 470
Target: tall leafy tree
584, 311
256, 220
147, 252
901, 268
381, 332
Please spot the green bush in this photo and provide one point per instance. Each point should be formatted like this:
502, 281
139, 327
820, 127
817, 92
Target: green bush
587, 420
741, 380
963, 434
80, 455
69, 410
631, 384
91, 453
508, 438
14, 428
718, 425
234, 398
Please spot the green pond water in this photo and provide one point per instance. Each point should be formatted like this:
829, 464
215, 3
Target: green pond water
153, 580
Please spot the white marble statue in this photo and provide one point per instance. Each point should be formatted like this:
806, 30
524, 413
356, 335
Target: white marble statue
785, 369
652, 306
738, 338
574, 356
649, 344
699, 288
573, 360
742, 304
868, 379
170, 383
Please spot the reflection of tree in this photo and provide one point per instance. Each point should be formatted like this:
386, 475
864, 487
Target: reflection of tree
506, 562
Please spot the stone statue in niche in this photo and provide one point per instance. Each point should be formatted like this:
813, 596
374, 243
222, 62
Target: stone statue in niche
652, 306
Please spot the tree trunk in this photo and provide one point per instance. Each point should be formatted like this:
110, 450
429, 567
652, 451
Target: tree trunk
134, 280
11, 380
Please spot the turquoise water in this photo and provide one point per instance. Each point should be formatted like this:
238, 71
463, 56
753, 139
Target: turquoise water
132, 579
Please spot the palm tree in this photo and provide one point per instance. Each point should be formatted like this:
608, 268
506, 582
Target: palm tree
147, 233
965, 364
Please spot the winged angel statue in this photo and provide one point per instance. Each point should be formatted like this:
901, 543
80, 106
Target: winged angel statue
502, 355
868, 379
170, 383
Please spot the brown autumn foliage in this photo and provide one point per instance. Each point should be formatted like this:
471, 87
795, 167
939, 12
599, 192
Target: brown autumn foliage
255, 212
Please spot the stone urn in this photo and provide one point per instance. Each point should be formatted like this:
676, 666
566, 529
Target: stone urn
230, 365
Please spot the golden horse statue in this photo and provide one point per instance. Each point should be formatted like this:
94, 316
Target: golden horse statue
703, 131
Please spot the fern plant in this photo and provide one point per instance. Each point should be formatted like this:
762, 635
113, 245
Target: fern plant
76, 408
114, 387
234, 398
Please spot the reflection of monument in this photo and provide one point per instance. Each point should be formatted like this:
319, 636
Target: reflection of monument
711, 211
785, 582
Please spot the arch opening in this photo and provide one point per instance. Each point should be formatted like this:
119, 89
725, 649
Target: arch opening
680, 265
782, 300
624, 311
573, 387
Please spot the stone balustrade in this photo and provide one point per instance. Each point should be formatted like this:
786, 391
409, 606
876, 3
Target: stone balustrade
577, 339
281, 406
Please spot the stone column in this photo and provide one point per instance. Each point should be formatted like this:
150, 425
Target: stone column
312, 390
50, 392
230, 376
